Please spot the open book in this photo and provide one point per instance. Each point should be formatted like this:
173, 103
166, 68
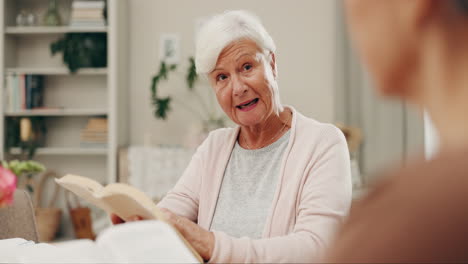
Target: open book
148, 241
121, 199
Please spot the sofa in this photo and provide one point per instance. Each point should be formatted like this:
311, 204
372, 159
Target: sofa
18, 220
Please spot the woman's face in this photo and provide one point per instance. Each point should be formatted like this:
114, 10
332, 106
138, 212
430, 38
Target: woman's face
241, 80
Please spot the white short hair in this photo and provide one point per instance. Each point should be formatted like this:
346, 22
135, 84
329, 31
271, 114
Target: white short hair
221, 30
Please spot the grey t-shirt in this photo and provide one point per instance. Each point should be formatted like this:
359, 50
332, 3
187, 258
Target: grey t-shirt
247, 190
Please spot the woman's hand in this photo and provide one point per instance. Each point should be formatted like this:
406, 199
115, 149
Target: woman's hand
200, 239
117, 220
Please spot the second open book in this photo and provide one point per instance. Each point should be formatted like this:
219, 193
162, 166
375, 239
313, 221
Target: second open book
148, 241
126, 201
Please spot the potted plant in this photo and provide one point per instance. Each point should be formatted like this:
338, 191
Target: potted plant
20, 169
82, 50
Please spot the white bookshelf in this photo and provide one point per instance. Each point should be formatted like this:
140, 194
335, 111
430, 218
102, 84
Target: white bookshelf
57, 71
69, 99
60, 112
65, 151
51, 30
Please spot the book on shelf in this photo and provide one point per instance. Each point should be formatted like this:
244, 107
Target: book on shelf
126, 201
88, 4
94, 135
87, 14
97, 124
91, 14
23, 92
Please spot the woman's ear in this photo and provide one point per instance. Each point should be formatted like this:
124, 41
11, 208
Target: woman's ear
273, 64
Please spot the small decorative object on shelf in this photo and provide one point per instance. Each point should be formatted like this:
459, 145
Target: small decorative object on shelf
28, 133
52, 16
22, 18
25, 18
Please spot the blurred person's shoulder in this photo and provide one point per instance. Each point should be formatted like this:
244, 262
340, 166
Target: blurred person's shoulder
418, 213
444, 176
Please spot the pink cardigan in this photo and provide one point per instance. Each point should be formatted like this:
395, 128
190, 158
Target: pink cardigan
311, 200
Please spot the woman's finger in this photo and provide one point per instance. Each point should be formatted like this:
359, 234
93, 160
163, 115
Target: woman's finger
135, 218
116, 220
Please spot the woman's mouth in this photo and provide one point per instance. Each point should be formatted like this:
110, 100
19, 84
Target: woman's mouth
247, 106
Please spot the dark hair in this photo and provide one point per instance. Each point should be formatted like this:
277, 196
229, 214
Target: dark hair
462, 5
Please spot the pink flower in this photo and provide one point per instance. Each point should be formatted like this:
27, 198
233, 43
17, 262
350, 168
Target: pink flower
7, 186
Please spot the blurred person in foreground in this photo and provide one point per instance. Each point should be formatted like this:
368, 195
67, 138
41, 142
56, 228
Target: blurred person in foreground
417, 51
276, 187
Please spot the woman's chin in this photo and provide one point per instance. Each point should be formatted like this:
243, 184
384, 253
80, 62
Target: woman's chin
251, 120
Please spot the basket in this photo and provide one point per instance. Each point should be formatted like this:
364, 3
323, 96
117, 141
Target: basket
81, 218
47, 218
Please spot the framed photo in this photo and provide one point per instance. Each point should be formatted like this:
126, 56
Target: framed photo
170, 48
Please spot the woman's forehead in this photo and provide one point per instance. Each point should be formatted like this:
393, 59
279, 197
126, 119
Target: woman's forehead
237, 50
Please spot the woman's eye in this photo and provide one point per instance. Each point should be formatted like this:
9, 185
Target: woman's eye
221, 77
247, 67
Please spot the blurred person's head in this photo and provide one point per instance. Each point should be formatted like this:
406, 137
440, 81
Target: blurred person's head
416, 50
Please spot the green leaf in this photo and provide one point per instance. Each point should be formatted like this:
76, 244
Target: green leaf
81, 50
163, 106
192, 75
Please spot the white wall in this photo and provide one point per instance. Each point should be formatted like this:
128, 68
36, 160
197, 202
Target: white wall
304, 32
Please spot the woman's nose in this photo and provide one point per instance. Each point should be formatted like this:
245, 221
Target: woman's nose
239, 87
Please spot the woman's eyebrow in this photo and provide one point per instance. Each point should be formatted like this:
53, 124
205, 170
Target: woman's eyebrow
217, 69
243, 55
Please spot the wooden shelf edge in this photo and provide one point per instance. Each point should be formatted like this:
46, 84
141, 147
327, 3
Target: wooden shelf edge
64, 151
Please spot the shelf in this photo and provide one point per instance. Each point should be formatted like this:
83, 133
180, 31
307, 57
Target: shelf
56, 71
53, 30
64, 151
59, 112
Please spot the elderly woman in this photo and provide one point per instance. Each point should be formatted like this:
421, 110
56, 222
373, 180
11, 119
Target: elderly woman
417, 51
276, 187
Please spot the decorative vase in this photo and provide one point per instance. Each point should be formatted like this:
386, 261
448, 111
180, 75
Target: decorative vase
52, 16
22, 18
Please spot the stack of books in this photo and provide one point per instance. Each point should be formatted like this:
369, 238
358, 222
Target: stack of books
23, 91
94, 135
87, 13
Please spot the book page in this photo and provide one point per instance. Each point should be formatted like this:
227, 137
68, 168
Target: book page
126, 201
145, 242
81, 251
85, 188
118, 198
76, 251
28, 253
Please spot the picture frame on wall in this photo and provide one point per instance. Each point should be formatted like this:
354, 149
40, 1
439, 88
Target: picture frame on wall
170, 48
